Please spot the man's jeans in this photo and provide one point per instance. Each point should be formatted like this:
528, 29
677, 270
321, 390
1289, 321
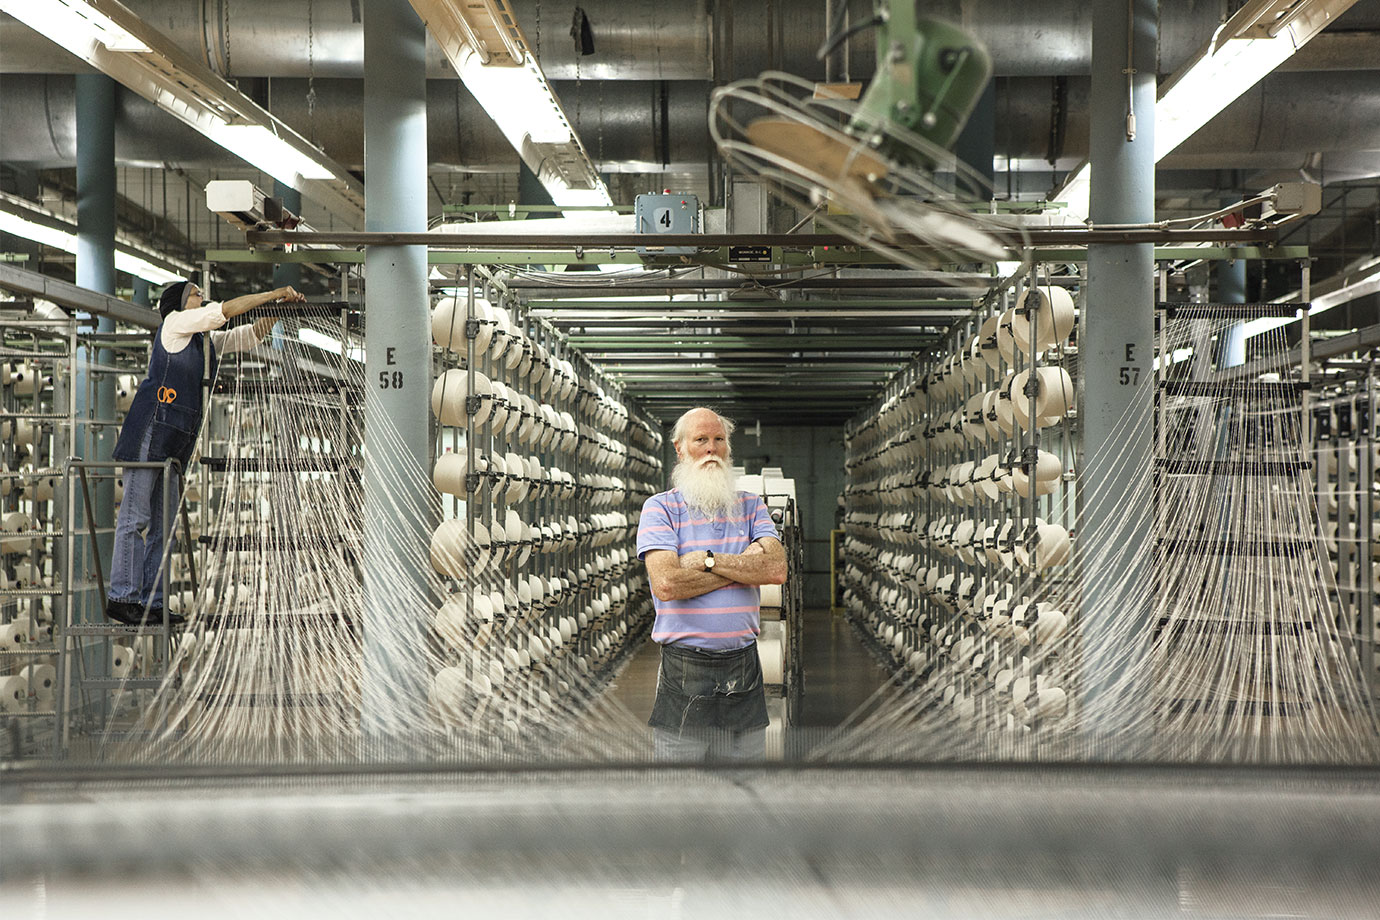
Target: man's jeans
708, 744
135, 563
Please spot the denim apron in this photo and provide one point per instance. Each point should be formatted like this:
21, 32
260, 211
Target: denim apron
697, 689
165, 417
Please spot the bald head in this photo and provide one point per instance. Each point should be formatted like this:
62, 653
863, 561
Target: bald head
700, 417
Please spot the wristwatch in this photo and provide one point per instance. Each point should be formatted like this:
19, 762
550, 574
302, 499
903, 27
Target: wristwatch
709, 560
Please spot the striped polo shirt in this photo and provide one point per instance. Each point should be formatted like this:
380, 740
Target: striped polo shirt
726, 618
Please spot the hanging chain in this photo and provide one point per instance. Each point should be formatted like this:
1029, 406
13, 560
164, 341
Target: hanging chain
225, 35
538, 30
311, 72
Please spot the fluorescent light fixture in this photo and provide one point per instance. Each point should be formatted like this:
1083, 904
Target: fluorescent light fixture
484, 44
1366, 284
1251, 44
1177, 356
25, 219
1076, 192
577, 222
257, 144
327, 343
142, 268
73, 24
110, 37
1256, 39
1210, 83
518, 99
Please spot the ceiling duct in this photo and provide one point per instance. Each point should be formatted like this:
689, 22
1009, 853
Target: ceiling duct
637, 39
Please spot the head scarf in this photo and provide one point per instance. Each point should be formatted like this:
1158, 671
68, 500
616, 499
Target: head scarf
174, 298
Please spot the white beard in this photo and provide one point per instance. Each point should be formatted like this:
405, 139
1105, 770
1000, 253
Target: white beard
707, 486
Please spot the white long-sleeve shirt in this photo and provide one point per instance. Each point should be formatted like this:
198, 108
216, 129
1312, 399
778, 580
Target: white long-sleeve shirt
179, 328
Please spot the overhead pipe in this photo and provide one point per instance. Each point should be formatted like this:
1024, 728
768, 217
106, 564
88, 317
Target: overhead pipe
633, 39
1272, 126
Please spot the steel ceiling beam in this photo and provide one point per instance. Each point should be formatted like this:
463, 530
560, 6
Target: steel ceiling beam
843, 326
893, 280
957, 305
748, 359
597, 242
598, 351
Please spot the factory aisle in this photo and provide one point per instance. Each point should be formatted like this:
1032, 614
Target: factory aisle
840, 674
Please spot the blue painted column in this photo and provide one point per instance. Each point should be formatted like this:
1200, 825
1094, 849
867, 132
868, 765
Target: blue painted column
288, 272
397, 515
1118, 362
1231, 288
95, 99
977, 144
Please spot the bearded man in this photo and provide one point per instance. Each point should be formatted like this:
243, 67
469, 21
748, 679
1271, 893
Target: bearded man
708, 547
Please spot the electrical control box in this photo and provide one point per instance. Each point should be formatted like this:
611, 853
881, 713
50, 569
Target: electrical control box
666, 213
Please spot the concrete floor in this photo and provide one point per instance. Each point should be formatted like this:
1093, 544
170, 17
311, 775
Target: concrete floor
840, 676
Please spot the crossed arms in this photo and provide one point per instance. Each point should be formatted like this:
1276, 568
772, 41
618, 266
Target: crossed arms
675, 577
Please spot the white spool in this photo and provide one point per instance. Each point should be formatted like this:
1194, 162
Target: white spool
503, 332
984, 477
1005, 411
527, 427
121, 661
1051, 701
448, 324
518, 480
12, 523
126, 385
449, 543
449, 473
449, 620
1050, 625
448, 693
1006, 342
962, 539
518, 348
1054, 399
448, 398
771, 596
14, 694
28, 380
1054, 546
14, 636
1054, 318
1043, 484
503, 398
484, 313
514, 417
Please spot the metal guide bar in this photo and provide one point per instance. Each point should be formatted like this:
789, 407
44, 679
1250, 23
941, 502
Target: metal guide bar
241, 543
313, 387
1287, 389
276, 464
1222, 624
133, 683
895, 345
252, 700
1178, 467
1230, 310
153, 628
